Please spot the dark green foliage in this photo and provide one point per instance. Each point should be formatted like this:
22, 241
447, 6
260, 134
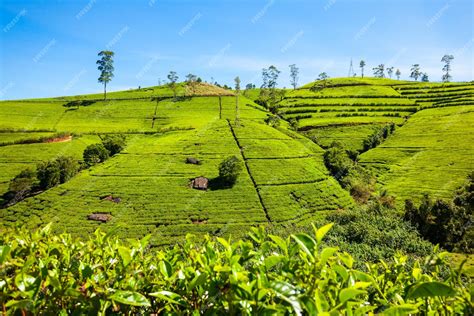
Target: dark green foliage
44, 273
229, 170
337, 161
378, 136
449, 224
95, 153
78, 103
342, 165
68, 167
21, 185
48, 174
372, 235
114, 143
272, 120
57, 171
294, 123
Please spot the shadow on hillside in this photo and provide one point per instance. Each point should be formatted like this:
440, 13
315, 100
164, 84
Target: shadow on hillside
218, 184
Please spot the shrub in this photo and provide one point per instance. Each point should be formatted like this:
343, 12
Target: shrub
68, 167
44, 273
337, 161
49, 174
94, 154
272, 120
114, 143
449, 224
22, 184
54, 172
229, 170
294, 124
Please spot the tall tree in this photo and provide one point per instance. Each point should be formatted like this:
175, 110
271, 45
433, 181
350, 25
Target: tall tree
415, 72
398, 73
191, 83
323, 76
173, 78
424, 77
294, 71
362, 65
390, 72
379, 71
106, 68
237, 91
447, 67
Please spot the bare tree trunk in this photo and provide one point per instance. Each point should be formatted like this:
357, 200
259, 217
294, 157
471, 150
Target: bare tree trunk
220, 107
105, 90
237, 109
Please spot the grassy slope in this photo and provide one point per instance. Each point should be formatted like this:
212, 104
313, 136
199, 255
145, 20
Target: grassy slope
286, 180
432, 153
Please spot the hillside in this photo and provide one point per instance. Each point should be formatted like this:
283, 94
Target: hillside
431, 150
285, 180
146, 188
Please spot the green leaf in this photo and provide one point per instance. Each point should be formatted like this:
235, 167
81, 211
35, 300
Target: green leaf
224, 243
306, 243
348, 294
272, 261
403, 309
53, 280
86, 271
280, 242
4, 251
321, 232
165, 268
169, 297
326, 253
125, 254
24, 282
130, 298
362, 276
430, 289
288, 293
198, 280
23, 304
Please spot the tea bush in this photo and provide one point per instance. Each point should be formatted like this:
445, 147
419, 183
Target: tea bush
43, 273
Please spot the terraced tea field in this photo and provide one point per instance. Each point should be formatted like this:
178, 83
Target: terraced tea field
432, 153
150, 178
146, 188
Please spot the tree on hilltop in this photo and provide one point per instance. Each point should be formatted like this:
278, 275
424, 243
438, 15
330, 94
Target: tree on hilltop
390, 71
191, 83
398, 73
237, 91
379, 71
424, 77
323, 76
173, 78
106, 68
447, 67
268, 93
362, 65
415, 72
294, 71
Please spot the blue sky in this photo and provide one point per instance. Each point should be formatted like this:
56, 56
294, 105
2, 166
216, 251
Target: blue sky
49, 48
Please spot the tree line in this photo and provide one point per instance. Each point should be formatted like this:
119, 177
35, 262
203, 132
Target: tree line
270, 75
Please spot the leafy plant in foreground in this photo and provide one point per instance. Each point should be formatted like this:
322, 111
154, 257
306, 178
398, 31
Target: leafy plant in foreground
43, 273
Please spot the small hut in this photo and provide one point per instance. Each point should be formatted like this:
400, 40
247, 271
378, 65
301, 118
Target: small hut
193, 161
200, 183
100, 217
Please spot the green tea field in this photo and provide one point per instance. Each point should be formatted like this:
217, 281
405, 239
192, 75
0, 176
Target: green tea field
147, 187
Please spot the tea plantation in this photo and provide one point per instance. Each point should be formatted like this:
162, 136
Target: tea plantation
284, 181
